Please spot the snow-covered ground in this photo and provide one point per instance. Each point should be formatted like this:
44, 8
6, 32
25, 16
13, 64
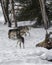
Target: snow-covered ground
31, 55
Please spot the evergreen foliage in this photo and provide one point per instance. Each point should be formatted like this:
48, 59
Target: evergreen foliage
31, 11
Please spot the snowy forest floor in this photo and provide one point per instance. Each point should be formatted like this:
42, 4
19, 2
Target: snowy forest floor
31, 55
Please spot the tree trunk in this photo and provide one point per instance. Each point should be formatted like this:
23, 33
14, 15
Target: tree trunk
7, 13
4, 5
13, 12
43, 11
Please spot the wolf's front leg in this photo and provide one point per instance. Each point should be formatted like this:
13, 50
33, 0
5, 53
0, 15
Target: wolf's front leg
20, 44
17, 43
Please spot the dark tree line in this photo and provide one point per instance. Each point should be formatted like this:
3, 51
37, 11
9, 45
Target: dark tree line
31, 11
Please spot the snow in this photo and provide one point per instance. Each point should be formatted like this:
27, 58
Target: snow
1, 16
48, 1
24, 23
31, 55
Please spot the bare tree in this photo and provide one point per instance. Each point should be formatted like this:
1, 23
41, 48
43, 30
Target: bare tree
4, 4
13, 12
43, 11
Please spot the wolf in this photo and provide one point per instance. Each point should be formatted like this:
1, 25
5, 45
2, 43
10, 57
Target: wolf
21, 29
